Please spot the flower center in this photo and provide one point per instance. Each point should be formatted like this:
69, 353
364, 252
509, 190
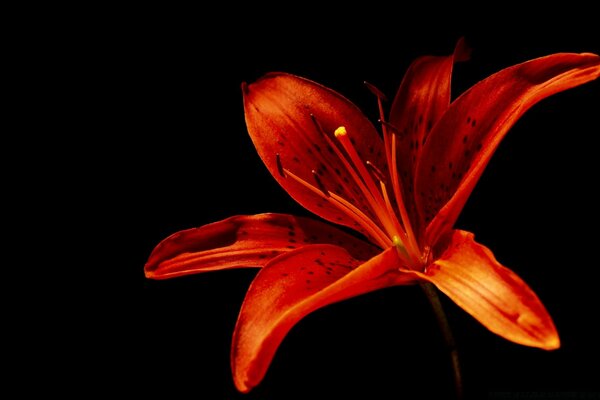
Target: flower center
385, 228
399, 230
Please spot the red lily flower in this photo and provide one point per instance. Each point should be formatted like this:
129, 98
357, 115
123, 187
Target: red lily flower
403, 193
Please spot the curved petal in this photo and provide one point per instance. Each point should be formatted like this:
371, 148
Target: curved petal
278, 109
468, 273
423, 97
292, 286
461, 144
244, 241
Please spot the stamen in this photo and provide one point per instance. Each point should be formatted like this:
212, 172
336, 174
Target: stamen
388, 126
389, 139
375, 171
375, 203
406, 238
378, 206
387, 143
280, 166
378, 93
351, 211
391, 212
376, 195
320, 185
400, 201
341, 134
363, 217
317, 125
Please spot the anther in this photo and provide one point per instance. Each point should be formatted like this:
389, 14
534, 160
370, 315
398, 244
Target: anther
280, 166
378, 93
320, 183
317, 124
389, 126
340, 132
375, 171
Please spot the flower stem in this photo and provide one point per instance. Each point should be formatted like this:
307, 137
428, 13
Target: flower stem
440, 315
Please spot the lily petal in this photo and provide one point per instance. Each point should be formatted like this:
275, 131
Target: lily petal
462, 142
278, 109
292, 286
421, 100
468, 273
244, 241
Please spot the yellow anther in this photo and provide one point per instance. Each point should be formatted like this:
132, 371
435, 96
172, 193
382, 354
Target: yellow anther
341, 131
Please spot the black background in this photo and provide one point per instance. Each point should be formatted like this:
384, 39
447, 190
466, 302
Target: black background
170, 151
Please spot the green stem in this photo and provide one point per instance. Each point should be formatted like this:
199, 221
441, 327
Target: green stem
440, 315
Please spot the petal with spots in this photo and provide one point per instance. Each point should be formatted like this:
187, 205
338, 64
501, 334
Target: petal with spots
278, 110
462, 142
244, 241
292, 286
423, 97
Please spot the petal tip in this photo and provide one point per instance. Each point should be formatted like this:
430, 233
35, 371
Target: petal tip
242, 382
242, 388
552, 342
462, 51
149, 272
